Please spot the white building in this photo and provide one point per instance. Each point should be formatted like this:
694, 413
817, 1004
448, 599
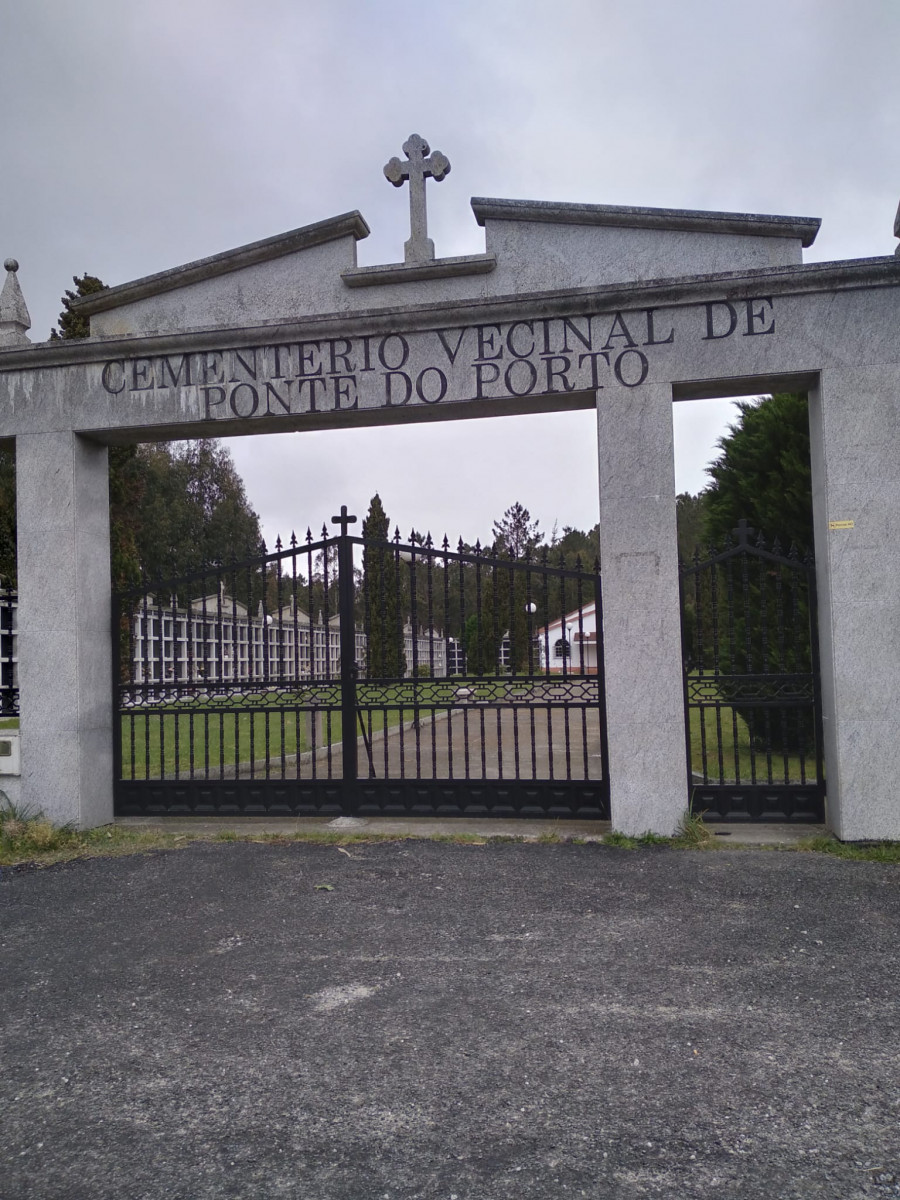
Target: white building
218, 641
570, 643
427, 650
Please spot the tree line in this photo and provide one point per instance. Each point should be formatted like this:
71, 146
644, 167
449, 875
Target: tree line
174, 507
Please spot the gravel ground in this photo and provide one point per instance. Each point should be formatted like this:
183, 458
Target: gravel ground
465, 1022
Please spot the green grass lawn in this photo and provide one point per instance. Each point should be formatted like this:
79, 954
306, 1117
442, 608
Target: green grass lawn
739, 758
170, 740
211, 732
161, 741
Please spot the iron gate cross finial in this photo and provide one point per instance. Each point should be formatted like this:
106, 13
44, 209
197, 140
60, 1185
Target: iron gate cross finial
744, 532
420, 165
343, 520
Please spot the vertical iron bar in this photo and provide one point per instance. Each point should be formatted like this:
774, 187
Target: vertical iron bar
812, 594
732, 663
414, 630
515, 724
144, 691
699, 590
349, 737
780, 627
116, 617
545, 604
686, 667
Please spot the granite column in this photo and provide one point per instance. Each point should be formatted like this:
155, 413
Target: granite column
641, 623
855, 451
65, 666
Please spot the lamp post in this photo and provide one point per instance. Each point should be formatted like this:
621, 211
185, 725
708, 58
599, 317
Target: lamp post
530, 610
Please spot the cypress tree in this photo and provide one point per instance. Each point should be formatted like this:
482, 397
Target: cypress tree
382, 584
763, 476
763, 473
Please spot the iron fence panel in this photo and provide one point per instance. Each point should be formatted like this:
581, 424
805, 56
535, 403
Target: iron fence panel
753, 715
9, 670
359, 675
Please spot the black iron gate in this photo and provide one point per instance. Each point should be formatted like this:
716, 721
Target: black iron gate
358, 675
753, 711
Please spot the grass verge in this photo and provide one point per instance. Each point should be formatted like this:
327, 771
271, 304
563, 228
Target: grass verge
881, 852
29, 838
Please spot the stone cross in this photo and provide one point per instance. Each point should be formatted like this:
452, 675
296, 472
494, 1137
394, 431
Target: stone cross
420, 165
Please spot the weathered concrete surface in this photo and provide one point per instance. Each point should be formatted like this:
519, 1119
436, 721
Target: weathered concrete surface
859, 607
65, 643
450, 1021
641, 612
737, 833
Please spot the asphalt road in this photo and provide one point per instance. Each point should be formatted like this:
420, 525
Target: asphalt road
450, 1021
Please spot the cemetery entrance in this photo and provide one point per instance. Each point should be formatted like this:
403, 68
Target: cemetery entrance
445, 678
363, 676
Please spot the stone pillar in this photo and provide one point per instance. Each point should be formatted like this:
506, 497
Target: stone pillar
855, 450
641, 625
62, 486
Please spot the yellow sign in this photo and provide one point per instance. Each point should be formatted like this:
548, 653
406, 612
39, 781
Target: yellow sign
840, 524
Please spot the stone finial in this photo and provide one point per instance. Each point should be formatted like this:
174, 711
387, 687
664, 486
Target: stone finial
420, 165
897, 228
14, 318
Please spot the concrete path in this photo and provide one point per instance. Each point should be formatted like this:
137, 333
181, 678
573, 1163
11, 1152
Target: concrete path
470, 742
479, 742
749, 833
450, 1022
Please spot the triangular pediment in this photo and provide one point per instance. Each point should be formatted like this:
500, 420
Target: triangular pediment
531, 247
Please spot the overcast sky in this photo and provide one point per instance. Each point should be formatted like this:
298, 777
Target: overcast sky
138, 136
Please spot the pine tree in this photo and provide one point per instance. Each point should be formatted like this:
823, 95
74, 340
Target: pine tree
194, 509
73, 324
126, 484
515, 533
